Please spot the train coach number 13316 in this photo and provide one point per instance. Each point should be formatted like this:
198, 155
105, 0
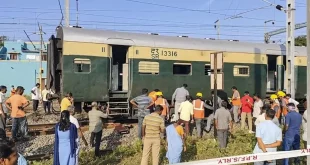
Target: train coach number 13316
155, 53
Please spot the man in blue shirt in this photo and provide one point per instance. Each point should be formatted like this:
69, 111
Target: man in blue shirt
291, 139
269, 137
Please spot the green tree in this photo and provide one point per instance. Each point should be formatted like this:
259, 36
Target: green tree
301, 41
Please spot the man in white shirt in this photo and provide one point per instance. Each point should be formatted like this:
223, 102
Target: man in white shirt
261, 118
186, 113
257, 108
3, 108
178, 97
290, 100
35, 96
46, 102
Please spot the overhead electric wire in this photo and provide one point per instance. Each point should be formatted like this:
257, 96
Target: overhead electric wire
62, 15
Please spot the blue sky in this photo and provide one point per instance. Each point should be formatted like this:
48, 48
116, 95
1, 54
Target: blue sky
193, 18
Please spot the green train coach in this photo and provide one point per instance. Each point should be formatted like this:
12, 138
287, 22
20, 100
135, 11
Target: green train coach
112, 67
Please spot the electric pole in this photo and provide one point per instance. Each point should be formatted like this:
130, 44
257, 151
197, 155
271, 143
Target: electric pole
67, 13
308, 77
217, 26
41, 53
290, 46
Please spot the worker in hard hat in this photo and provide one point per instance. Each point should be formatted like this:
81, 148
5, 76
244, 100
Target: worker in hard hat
283, 105
153, 96
199, 112
275, 106
160, 100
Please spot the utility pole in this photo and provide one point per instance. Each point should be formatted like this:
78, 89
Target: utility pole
290, 46
215, 93
67, 13
41, 53
217, 26
308, 77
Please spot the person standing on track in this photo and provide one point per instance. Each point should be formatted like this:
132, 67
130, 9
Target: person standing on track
178, 97
291, 138
17, 103
143, 103
257, 108
35, 96
46, 102
153, 126
269, 137
223, 124
246, 110
236, 103
66, 101
95, 126
199, 112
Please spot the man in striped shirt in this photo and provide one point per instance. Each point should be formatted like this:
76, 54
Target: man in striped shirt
153, 125
144, 103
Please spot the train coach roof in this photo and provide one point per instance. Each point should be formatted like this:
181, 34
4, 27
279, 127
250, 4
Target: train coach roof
125, 38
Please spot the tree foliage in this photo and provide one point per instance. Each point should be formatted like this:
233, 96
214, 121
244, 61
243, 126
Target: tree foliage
301, 41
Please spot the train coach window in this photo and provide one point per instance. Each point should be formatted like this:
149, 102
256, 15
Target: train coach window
208, 69
82, 65
241, 70
147, 67
182, 68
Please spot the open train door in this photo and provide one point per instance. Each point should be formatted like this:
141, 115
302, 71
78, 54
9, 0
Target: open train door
218, 57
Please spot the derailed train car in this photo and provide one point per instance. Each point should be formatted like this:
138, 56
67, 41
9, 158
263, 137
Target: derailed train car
112, 67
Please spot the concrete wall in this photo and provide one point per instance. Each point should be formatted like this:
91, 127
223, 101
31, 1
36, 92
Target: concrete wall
21, 73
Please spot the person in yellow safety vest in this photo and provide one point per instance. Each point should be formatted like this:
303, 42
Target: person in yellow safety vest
199, 112
283, 105
275, 106
160, 100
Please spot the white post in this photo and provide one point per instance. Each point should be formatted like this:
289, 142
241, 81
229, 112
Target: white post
290, 46
67, 13
308, 78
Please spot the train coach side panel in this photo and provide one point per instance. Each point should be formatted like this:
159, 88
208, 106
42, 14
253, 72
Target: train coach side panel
248, 72
85, 71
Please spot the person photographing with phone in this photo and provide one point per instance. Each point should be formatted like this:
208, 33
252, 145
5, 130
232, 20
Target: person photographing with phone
17, 103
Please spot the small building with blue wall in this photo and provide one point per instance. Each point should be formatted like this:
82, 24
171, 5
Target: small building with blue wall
20, 64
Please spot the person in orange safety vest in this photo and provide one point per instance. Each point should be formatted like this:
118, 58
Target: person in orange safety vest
199, 112
160, 100
153, 96
283, 105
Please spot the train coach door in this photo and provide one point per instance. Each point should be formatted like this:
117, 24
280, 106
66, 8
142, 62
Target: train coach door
218, 57
119, 68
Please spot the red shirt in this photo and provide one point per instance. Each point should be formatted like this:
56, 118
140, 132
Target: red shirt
246, 106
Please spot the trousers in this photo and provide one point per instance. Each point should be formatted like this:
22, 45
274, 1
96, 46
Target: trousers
47, 106
245, 115
176, 111
236, 114
291, 142
209, 122
19, 125
95, 140
151, 144
198, 127
222, 136
35, 105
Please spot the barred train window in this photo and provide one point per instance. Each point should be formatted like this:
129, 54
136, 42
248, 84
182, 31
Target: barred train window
208, 69
182, 69
147, 67
241, 70
82, 65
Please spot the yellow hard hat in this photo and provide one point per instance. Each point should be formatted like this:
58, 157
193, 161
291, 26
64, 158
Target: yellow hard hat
199, 94
281, 94
273, 96
159, 93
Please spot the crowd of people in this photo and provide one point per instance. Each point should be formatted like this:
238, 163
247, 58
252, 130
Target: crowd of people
264, 118
156, 122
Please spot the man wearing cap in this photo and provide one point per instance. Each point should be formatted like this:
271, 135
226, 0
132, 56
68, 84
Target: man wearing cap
35, 96
95, 126
199, 112
246, 110
291, 138
17, 103
178, 97
164, 103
